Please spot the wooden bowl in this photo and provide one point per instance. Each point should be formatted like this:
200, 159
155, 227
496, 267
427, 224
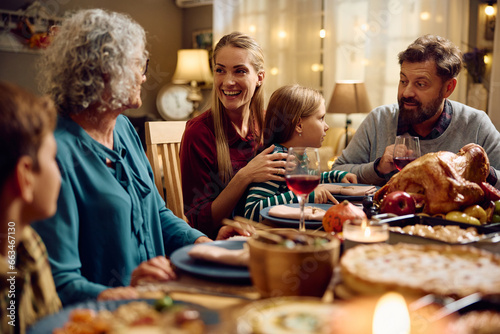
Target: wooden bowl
300, 271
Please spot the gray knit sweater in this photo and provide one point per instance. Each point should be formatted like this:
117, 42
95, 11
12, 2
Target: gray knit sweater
378, 130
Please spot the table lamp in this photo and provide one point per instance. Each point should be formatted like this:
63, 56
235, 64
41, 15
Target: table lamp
349, 97
193, 68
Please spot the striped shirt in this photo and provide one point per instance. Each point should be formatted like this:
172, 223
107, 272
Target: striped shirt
264, 194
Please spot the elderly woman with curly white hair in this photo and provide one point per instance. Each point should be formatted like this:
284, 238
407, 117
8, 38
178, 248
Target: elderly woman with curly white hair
111, 227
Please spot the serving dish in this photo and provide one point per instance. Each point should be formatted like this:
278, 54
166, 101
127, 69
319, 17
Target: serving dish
489, 241
300, 268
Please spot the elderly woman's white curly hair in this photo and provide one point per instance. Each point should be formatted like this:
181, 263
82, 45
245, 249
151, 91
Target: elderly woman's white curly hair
91, 61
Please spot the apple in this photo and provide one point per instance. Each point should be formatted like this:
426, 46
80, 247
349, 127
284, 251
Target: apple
490, 192
398, 202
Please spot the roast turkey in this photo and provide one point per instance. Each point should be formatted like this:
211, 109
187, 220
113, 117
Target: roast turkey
443, 181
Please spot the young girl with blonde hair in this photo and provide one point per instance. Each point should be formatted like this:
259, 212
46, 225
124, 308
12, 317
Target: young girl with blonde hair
295, 117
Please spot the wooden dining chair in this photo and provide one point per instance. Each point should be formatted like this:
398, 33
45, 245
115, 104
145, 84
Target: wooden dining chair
163, 141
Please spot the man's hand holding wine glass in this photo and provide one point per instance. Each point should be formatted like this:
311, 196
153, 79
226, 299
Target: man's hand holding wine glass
406, 150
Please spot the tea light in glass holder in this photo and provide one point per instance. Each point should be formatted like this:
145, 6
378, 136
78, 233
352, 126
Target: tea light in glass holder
363, 231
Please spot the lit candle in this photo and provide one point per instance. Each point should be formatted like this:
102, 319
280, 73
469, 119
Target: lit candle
391, 315
362, 231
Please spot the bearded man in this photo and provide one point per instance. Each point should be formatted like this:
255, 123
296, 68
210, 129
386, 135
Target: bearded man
428, 76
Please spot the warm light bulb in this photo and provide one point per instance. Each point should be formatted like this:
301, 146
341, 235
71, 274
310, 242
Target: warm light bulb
489, 10
252, 28
274, 71
425, 16
317, 67
322, 33
487, 59
391, 315
282, 34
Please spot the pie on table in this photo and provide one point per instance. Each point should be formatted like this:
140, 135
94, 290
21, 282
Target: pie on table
454, 271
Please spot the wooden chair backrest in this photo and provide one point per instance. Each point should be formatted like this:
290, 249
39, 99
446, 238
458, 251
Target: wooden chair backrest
163, 141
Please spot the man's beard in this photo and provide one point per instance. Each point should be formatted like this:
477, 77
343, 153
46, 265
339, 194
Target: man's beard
422, 112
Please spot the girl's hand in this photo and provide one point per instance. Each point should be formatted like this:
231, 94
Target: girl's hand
322, 196
349, 178
265, 166
155, 269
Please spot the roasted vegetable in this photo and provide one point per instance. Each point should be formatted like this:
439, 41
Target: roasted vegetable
462, 218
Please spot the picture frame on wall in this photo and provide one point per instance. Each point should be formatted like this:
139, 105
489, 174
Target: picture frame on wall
203, 39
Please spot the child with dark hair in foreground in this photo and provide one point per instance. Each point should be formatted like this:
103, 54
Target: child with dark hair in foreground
29, 187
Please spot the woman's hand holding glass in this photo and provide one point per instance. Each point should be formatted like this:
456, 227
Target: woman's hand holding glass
302, 174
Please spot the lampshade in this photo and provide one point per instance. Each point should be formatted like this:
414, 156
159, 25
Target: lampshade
192, 65
349, 97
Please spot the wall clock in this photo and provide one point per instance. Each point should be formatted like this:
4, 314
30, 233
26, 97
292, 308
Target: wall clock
172, 102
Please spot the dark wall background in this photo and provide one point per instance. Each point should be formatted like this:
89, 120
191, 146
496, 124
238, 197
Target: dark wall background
168, 28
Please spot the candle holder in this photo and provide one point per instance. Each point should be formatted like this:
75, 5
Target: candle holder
364, 231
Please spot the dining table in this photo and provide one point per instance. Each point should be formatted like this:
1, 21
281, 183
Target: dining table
225, 296
229, 297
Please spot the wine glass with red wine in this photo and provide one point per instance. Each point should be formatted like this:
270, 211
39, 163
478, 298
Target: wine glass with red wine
406, 150
302, 175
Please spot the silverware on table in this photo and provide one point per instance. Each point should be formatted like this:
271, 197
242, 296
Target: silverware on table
492, 238
450, 305
456, 306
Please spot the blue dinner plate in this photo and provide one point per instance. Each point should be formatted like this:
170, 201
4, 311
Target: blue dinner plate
311, 224
181, 259
48, 324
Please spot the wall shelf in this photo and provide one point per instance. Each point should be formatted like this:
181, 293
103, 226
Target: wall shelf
26, 30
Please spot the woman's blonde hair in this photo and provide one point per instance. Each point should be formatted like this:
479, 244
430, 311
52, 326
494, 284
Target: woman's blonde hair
287, 105
237, 40
88, 61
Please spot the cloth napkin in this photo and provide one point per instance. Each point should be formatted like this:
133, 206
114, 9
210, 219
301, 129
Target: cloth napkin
231, 257
284, 211
349, 190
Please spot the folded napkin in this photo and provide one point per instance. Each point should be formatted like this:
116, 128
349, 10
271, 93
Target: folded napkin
349, 190
284, 211
232, 257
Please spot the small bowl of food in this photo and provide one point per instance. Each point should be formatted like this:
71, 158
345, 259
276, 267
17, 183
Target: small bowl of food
286, 262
